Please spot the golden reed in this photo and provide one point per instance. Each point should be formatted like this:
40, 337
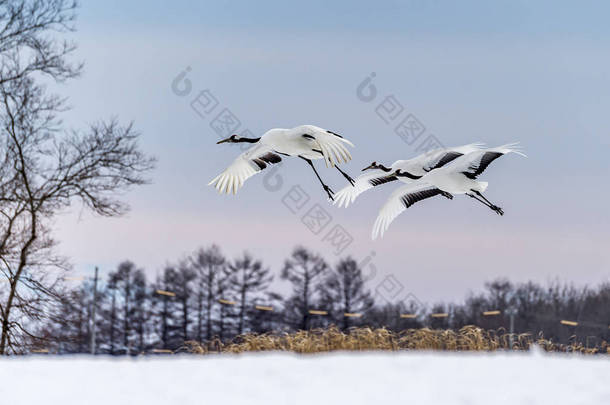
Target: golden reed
468, 338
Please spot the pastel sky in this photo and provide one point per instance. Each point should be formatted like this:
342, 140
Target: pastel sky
494, 72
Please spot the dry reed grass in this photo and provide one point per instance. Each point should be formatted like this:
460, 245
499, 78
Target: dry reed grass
469, 338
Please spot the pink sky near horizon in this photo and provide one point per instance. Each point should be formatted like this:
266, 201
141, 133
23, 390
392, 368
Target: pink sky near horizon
433, 268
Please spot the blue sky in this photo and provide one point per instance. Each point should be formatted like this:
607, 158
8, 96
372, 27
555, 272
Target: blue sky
495, 72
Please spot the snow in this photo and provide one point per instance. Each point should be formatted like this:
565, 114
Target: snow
281, 378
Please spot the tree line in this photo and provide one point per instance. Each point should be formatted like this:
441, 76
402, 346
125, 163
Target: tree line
207, 298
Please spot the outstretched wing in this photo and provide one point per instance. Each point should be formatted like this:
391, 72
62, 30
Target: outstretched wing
401, 199
444, 159
366, 181
332, 145
441, 157
475, 163
245, 166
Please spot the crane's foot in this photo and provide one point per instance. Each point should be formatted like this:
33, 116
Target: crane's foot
329, 192
497, 210
347, 176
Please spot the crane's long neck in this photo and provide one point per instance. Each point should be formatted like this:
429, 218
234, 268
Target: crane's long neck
247, 140
385, 169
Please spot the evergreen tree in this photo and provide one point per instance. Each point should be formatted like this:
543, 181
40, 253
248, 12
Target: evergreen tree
303, 270
343, 291
248, 277
183, 288
141, 311
210, 267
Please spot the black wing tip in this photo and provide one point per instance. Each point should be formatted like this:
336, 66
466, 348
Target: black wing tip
382, 180
334, 133
447, 157
271, 158
485, 161
411, 198
262, 161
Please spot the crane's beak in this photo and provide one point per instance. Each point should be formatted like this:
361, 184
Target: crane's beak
223, 141
368, 167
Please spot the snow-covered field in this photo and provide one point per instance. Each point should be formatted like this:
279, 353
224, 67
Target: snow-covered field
343, 378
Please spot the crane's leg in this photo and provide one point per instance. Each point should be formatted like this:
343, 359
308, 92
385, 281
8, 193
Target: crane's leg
486, 202
347, 176
326, 188
491, 205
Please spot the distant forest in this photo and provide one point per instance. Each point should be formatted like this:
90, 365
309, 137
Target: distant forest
209, 298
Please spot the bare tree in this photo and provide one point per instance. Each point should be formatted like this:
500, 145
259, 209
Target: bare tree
130, 284
71, 324
302, 269
210, 267
124, 277
223, 290
45, 169
248, 277
26, 47
141, 309
173, 311
183, 289
162, 306
343, 291
260, 320
112, 311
